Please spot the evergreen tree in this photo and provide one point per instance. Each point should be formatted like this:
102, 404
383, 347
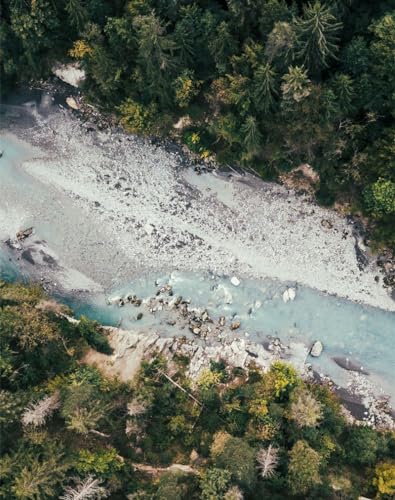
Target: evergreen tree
317, 36
252, 138
264, 87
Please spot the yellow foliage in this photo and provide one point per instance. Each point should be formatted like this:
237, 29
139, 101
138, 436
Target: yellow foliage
219, 442
80, 50
195, 138
207, 379
385, 478
258, 408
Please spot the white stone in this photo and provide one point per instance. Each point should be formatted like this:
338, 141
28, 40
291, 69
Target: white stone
72, 103
149, 229
70, 73
289, 294
316, 349
235, 281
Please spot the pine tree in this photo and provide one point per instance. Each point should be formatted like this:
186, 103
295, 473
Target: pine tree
252, 137
156, 58
296, 84
317, 36
264, 87
37, 476
77, 13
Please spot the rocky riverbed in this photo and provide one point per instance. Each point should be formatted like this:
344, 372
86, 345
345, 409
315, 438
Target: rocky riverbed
108, 209
122, 206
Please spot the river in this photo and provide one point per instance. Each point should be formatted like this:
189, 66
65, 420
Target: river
359, 335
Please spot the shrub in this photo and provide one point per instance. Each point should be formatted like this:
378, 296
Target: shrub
93, 334
361, 445
137, 118
214, 483
238, 458
385, 478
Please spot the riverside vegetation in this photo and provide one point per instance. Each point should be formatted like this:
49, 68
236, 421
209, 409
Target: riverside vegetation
267, 83
69, 432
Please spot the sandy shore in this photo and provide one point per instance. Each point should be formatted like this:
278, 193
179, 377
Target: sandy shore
114, 207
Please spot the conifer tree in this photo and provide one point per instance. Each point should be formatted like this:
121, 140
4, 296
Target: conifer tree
317, 36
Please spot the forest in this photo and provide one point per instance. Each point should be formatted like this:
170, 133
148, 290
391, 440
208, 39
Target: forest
269, 84
69, 432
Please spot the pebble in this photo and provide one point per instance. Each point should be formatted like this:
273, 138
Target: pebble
235, 281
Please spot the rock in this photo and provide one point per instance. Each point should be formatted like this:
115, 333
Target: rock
196, 331
70, 73
326, 223
1, 153
235, 281
139, 316
316, 349
72, 103
289, 294
222, 320
24, 233
114, 300
235, 325
149, 229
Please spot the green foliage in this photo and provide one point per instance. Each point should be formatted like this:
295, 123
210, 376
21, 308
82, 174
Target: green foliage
238, 458
99, 428
172, 485
276, 83
94, 335
385, 478
214, 483
303, 468
317, 35
137, 118
380, 198
361, 445
103, 462
186, 88
32, 475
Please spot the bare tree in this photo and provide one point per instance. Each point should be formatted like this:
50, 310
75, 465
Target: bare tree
37, 413
136, 408
234, 493
88, 488
306, 411
267, 459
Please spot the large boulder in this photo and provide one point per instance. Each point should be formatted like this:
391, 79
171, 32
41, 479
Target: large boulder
289, 294
70, 73
316, 349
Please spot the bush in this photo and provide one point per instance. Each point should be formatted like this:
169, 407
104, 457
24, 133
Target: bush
303, 468
238, 458
93, 334
214, 483
361, 445
137, 118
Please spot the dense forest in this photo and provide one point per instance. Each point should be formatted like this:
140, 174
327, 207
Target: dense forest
69, 432
266, 83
